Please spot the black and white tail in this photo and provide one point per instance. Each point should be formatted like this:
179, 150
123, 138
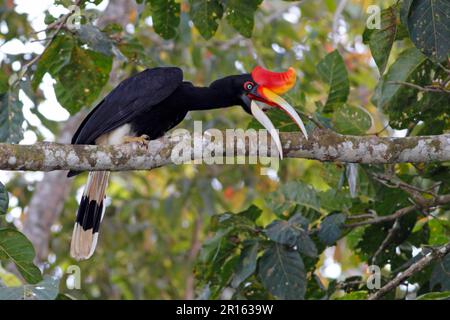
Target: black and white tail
89, 216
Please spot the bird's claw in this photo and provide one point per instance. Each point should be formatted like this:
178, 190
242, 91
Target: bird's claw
142, 140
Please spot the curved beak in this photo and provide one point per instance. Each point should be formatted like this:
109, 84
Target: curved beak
267, 96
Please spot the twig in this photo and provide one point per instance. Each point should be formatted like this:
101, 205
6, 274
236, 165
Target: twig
362, 216
337, 15
444, 68
387, 240
426, 89
193, 252
252, 50
377, 133
438, 200
59, 24
40, 40
413, 191
397, 214
310, 118
413, 269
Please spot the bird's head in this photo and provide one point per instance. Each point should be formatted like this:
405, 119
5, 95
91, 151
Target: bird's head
265, 87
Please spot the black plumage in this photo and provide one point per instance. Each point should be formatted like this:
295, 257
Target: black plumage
150, 103
154, 101
130, 99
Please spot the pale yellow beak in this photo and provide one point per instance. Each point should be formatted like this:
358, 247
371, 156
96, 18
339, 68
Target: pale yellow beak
267, 124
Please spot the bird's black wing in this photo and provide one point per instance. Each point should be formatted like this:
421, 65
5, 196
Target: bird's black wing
131, 97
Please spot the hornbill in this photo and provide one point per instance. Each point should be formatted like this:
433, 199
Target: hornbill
147, 105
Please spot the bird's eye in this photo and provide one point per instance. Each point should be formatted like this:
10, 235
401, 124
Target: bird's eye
248, 85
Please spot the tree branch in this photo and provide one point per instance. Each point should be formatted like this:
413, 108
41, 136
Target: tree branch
381, 219
414, 268
323, 145
436, 201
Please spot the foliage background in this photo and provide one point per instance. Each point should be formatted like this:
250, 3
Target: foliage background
174, 232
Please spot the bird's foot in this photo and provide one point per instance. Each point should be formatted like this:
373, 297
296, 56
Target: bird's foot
142, 140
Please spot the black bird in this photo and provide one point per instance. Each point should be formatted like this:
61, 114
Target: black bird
147, 105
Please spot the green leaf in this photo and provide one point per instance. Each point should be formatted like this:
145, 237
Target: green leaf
212, 245
405, 105
439, 232
227, 266
11, 118
335, 200
333, 71
95, 39
355, 295
381, 40
409, 67
351, 120
306, 245
435, 296
287, 232
252, 213
240, 14
282, 272
428, 25
293, 194
17, 24
166, 17
404, 11
281, 231
218, 253
4, 199
3, 82
293, 233
64, 296
331, 228
54, 58
374, 235
280, 120
16, 247
79, 83
47, 289
440, 278
242, 221
133, 50
112, 28
204, 14
247, 263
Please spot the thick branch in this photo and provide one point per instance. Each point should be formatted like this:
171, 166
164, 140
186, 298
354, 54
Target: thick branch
323, 145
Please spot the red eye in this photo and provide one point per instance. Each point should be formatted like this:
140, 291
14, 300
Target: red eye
249, 85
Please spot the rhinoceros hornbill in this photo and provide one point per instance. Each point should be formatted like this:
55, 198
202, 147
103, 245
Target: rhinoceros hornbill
147, 105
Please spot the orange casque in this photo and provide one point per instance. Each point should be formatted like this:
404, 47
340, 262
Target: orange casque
278, 82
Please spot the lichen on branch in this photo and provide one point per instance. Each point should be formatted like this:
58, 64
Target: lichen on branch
323, 145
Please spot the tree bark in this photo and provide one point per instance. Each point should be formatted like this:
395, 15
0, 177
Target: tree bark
323, 145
